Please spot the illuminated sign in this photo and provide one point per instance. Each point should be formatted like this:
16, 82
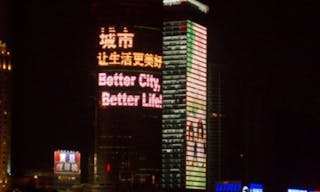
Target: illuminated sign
237, 187
124, 40
152, 98
67, 162
196, 131
127, 77
185, 106
228, 187
253, 187
134, 59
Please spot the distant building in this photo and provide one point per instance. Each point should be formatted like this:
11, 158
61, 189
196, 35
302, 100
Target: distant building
185, 97
66, 169
216, 140
5, 116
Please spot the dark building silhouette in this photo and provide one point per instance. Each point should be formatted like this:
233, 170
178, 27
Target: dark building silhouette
5, 116
216, 140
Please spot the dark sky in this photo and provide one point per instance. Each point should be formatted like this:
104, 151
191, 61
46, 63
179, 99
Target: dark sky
51, 107
268, 49
267, 53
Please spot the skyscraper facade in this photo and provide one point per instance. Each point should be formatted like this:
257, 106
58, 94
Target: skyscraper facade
5, 116
128, 95
184, 118
216, 140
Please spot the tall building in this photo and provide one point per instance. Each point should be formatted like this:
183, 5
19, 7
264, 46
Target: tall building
5, 116
127, 75
216, 142
185, 97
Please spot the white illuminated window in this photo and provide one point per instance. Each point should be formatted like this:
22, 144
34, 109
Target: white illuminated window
62, 157
72, 158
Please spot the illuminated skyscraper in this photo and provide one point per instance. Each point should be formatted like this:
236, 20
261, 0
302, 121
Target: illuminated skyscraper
5, 116
127, 72
184, 127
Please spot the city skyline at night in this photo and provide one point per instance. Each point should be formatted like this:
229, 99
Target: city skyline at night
265, 52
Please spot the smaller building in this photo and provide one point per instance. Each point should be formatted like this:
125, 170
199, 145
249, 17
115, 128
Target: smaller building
67, 170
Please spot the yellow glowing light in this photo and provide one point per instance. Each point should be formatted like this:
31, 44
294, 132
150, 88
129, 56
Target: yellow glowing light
2, 47
138, 59
148, 59
108, 40
114, 58
126, 58
157, 61
111, 39
125, 39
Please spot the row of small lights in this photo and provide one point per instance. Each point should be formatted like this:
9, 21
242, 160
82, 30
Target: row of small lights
4, 67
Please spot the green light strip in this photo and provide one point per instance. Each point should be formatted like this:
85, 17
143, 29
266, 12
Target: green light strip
191, 38
198, 179
198, 169
197, 184
199, 174
195, 176
194, 187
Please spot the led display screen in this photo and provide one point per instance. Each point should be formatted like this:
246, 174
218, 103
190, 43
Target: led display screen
255, 187
237, 187
128, 75
184, 135
67, 162
196, 130
129, 94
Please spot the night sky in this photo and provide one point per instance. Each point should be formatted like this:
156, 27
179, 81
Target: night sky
51, 82
266, 51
